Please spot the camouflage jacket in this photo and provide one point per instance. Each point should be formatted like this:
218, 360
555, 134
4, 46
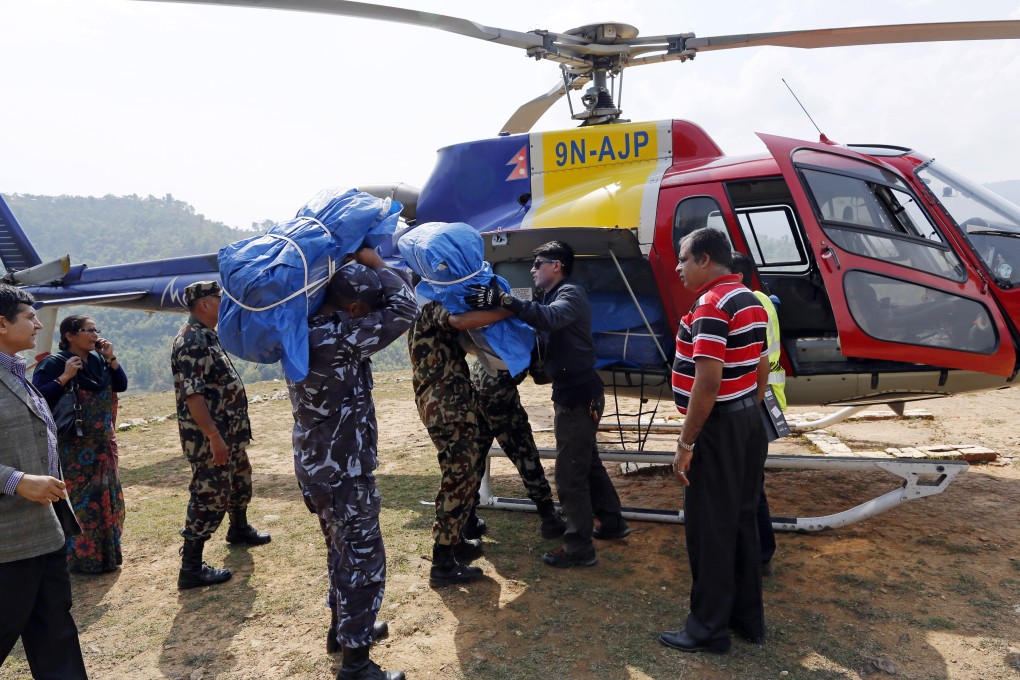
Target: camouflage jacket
335, 431
441, 380
200, 366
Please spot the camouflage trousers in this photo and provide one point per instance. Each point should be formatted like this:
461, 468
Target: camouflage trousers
500, 402
457, 445
215, 491
356, 558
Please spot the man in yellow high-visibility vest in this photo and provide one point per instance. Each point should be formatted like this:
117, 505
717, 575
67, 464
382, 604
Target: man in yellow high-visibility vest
743, 265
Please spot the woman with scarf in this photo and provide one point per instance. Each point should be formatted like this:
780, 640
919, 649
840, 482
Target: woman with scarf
88, 454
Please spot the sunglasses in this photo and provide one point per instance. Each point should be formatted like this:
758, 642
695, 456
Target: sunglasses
94, 331
540, 261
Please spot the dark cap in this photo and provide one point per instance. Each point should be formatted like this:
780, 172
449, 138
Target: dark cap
357, 283
199, 290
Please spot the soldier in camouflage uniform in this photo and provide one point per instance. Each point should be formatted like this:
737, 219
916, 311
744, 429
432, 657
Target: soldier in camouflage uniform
212, 416
448, 406
500, 402
368, 306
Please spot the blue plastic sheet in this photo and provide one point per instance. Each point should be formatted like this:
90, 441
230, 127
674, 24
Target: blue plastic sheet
620, 335
448, 256
274, 282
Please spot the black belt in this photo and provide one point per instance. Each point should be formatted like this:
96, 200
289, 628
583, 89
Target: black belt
724, 407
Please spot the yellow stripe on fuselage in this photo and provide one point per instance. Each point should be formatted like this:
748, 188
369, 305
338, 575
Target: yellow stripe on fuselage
602, 176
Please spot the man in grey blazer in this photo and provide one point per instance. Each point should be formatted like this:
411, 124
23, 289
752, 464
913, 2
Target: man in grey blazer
35, 587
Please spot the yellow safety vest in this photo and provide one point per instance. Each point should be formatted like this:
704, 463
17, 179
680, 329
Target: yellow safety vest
777, 376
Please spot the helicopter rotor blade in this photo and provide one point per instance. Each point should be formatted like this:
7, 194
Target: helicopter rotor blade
527, 115
364, 10
864, 35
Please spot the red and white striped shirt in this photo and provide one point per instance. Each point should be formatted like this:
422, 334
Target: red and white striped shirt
726, 323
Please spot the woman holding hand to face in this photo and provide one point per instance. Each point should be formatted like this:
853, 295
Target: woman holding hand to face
89, 460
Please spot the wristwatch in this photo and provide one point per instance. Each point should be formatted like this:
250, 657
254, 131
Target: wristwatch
685, 446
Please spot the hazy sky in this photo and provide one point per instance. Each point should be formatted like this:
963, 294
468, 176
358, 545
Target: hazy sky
246, 113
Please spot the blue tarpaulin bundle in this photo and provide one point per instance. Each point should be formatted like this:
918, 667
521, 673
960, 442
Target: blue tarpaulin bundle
449, 258
621, 336
273, 282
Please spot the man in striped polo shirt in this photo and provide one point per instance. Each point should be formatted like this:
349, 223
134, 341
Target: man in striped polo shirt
719, 376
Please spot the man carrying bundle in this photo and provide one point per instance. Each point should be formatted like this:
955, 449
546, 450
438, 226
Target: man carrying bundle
368, 306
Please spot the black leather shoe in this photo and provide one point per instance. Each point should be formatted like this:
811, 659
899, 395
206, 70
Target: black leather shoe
447, 571
475, 527
746, 635
468, 549
380, 630
561, 559
679, 639
621, 530
552, 527
242, 532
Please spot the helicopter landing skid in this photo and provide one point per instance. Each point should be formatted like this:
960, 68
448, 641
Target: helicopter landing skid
921, 478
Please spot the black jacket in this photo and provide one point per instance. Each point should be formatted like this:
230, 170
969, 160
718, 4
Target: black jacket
563, 322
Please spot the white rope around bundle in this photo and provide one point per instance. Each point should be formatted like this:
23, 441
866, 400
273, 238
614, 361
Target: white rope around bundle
308, 287
447, 283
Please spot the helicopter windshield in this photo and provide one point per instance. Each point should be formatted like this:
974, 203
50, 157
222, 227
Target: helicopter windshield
990, 222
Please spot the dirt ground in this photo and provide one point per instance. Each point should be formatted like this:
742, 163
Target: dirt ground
929, 589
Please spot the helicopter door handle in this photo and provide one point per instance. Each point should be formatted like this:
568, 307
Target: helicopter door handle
830, 254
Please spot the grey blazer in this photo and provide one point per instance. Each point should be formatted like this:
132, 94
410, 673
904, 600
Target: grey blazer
27, 529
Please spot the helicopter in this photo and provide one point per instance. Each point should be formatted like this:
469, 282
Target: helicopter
892, 290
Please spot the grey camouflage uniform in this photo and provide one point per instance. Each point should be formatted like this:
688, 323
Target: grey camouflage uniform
200, 366
448, 407
500, 401
335, 446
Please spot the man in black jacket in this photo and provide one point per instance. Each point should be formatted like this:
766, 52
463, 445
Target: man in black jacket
563, 322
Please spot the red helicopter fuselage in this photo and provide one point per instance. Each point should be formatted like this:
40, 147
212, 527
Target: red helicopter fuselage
895, 276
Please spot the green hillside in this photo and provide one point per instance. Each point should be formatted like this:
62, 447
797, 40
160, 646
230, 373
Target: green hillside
117, 229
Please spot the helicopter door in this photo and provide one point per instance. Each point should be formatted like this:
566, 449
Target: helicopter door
898, 290
684, 209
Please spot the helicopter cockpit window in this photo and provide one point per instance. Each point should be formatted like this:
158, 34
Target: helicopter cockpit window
990, 222
694, 213
905, 312
771, 233
872, 213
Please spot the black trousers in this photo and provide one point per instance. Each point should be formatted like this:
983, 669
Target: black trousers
722, 533
766, 534
582, 483
37, 608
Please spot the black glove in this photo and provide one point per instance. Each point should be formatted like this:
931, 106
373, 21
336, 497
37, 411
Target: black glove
485, 297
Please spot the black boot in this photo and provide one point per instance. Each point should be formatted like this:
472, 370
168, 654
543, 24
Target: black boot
357, 666
379, 630
242, 532
474, 527
468, 549
195, 572
446, 570
552, 525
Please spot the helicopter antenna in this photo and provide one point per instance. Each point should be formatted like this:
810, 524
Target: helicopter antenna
821, 135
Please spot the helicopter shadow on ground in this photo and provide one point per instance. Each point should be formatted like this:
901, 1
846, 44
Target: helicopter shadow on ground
204, 628
604, 621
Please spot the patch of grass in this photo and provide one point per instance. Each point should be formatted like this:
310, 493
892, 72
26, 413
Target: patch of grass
965, 584
945, 545
856, 581
934, 623
862, 609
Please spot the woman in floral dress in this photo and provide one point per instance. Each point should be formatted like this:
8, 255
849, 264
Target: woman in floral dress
89, 459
